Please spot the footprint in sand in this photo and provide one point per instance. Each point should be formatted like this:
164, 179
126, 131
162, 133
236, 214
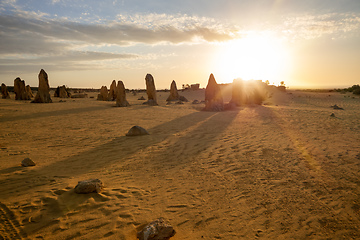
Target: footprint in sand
9, 226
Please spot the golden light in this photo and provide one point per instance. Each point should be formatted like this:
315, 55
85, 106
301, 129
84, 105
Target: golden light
259, 56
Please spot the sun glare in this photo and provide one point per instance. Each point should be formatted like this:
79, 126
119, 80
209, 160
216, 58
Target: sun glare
256, 56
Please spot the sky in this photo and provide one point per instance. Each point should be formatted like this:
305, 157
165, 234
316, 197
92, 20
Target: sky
87, 44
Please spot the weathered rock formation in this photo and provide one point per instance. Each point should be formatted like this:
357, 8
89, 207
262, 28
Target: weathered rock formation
104, 95
174, 94
150, 90
4, 92
62, 92
121, 95
29, 92
20, 90
238, 93
112, 91
43, 94
89, 186
137, 131
213, 97
27, 162
159, 229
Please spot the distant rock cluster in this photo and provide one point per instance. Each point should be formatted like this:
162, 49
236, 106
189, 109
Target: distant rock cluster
249, 93
117, 92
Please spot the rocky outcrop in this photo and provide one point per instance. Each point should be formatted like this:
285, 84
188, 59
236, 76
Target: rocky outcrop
337, 107
43, 93
104, 95
4, 92
20, 90
28, 91
121, 95
62, 92
137, 131
238, 93
150, 90
27, 162
174, 94
112, 91
213, 96
159, 229
89, 186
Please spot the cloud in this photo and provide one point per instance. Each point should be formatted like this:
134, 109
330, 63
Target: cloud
314, 26
72, 60
29, 39
51, 33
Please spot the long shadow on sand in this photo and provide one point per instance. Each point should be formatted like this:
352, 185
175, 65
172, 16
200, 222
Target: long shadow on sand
52, 113
195, 126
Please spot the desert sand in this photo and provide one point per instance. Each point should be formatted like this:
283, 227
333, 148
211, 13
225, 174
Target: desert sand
283, 170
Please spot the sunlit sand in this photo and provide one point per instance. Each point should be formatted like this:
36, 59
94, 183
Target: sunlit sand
284, 170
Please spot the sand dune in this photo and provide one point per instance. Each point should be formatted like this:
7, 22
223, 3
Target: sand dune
284, 170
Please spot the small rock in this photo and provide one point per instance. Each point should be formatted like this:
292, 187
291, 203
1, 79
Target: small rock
195, 102
179, 102
89, 186
27, 162
337, 107
141, 98
159, 229
137, 131
332, 115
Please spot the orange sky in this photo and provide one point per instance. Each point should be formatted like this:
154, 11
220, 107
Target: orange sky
303, 43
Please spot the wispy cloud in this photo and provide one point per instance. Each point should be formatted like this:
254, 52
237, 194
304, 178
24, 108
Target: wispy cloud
314, 26
28, 38
149, 29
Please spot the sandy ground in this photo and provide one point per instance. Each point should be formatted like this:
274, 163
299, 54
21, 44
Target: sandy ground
284, 170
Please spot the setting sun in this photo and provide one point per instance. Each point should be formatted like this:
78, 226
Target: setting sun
256, 56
